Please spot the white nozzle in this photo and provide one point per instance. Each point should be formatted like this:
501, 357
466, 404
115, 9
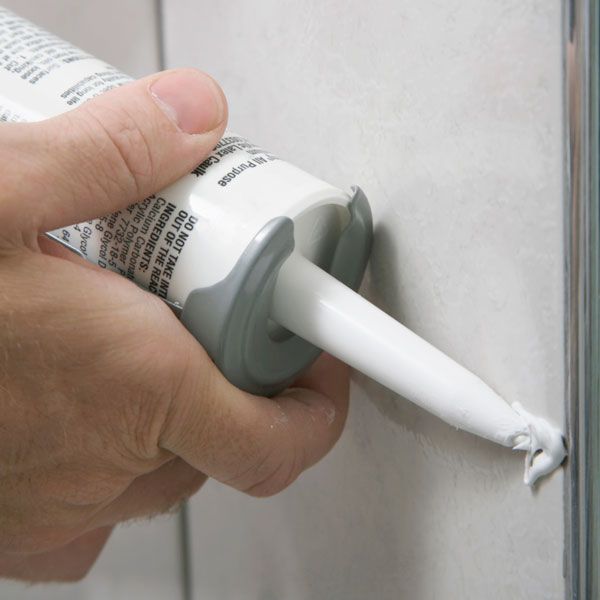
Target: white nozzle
320, 309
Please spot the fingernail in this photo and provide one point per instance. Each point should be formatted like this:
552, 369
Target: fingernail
191, 99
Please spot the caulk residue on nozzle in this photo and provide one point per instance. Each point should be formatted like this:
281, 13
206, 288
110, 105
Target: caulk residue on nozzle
318, 308
544, 444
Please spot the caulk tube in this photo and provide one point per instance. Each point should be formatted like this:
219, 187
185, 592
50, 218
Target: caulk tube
210, 244
215, 211
237, 247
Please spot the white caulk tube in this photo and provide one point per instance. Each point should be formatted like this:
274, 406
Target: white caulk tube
234, 248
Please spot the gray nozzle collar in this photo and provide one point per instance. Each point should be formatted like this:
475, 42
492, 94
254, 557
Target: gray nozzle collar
231, 318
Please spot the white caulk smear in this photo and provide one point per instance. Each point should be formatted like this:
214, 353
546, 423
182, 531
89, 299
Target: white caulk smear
328, 314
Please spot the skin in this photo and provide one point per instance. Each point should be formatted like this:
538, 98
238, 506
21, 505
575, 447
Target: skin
109, 409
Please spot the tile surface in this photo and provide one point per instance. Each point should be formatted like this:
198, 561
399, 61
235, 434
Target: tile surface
449, 115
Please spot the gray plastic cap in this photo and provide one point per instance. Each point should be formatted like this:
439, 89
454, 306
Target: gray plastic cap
231, 318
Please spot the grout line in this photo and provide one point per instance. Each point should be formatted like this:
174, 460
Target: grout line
185, 548
159, 18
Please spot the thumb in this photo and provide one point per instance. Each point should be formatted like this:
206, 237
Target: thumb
112, 151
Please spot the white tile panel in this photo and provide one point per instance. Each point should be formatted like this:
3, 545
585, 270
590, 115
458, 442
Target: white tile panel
449, 115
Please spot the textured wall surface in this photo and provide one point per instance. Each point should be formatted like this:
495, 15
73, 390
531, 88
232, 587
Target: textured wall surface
139, 561
449, 115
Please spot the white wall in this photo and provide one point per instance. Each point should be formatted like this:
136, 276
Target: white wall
140, 560
448, 113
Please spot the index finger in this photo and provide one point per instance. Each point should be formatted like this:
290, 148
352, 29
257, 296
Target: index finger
255, 444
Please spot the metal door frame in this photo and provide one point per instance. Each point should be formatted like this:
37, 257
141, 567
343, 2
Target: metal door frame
582, 481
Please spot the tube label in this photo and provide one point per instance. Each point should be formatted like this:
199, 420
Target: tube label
42, 76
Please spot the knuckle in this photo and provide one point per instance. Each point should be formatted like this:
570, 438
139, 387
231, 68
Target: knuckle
20, 182
159, 370
191, 399
141, 421
125, 157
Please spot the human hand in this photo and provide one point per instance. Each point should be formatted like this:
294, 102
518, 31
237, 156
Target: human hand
109, 408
